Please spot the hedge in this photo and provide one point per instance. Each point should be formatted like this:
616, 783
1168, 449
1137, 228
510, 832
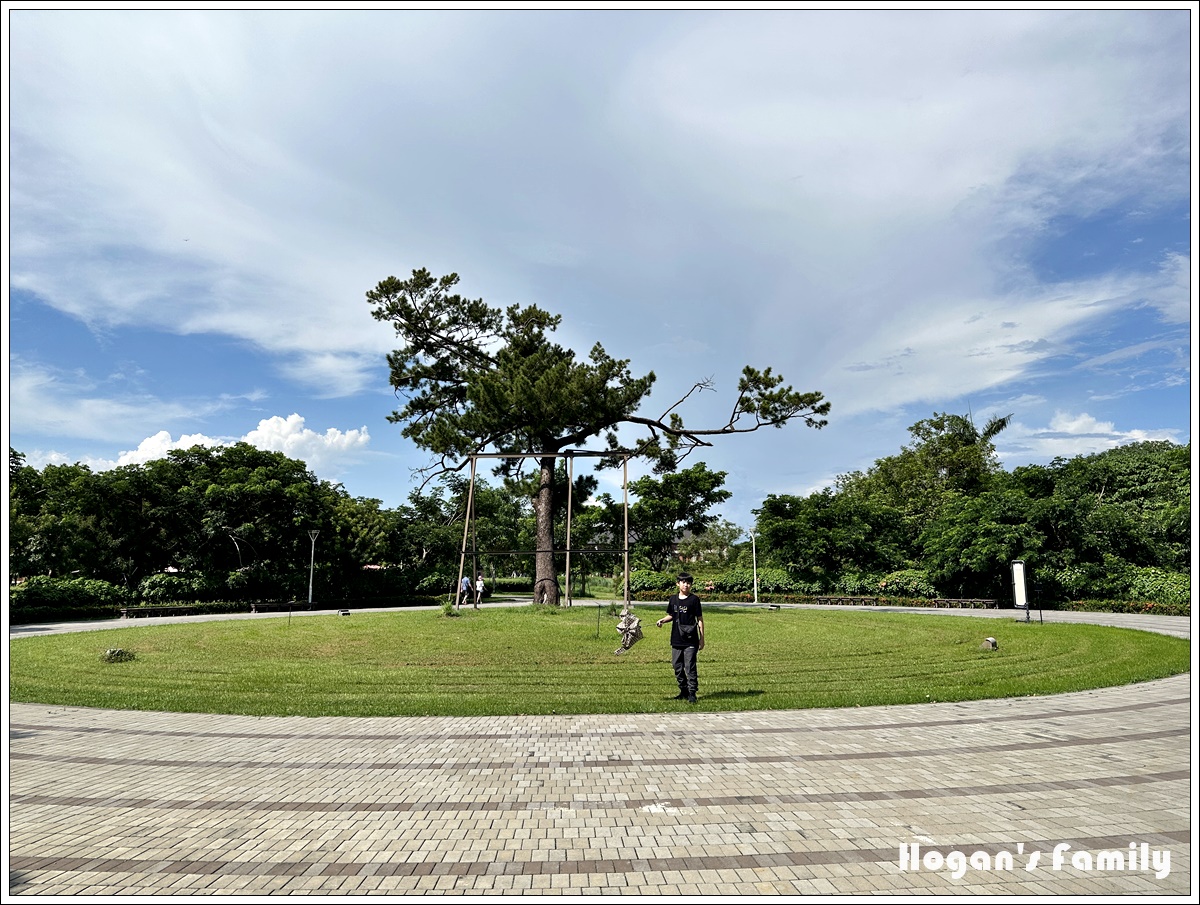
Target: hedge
1139, 607
46, 599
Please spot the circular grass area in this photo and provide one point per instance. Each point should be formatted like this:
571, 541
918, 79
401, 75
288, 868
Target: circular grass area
526, 660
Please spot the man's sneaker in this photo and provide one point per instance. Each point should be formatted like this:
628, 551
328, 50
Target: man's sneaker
691, 699
680, 697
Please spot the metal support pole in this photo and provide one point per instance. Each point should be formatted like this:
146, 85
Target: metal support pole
754, 561
462, 559
570, 489
625, 484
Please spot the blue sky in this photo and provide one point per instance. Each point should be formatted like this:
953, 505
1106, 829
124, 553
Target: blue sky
910, 211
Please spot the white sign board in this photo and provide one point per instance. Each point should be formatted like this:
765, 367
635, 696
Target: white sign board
1020, 601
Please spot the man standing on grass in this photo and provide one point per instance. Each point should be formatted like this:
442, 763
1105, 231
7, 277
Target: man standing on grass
687, 637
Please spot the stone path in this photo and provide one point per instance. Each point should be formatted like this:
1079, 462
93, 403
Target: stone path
934, 798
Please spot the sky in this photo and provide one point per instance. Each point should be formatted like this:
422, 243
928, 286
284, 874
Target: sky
980, 211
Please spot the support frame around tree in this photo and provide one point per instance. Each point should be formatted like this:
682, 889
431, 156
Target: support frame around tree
570, 456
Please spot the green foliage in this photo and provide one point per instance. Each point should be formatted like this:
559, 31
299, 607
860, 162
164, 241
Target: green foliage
908, 583
664, 509
1135, 607
715, 546
820, 537
43, 599
1159, 585
943, 507
230, 523
172, 588
948, 455
442, 582
852, 584
649, 580
474, 375
770, 581
507, 585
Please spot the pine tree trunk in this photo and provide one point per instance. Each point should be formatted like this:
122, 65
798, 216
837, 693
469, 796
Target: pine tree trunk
545, 587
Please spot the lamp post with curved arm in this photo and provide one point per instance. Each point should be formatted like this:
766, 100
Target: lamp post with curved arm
312, 535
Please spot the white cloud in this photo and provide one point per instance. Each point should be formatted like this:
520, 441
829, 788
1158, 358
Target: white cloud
947, 351
1172, 293
160, 444
324, 453
1070, 434
54, 402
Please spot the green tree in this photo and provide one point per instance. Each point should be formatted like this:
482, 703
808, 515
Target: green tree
54, 521
716, 545
969, 547
949, 454
666, 508
479, 379
828, 534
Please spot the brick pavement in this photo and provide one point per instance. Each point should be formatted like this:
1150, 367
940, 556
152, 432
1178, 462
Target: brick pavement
785, 802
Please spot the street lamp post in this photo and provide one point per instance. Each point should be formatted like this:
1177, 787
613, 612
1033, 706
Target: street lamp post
754, 562
312, 535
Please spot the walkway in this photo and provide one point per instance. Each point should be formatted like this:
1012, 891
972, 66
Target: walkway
864, 801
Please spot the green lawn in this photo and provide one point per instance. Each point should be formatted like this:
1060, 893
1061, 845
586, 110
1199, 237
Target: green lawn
519, 660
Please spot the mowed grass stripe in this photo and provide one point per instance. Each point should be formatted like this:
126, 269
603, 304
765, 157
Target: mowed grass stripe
522, 661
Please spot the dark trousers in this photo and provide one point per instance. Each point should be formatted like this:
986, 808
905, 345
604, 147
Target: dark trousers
684, 661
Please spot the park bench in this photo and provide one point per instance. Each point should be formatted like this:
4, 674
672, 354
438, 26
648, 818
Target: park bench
969, 603
165, 609
966, 603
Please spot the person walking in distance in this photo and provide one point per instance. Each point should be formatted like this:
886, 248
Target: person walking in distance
687, 637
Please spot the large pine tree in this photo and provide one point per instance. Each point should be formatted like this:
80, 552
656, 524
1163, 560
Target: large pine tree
477, 379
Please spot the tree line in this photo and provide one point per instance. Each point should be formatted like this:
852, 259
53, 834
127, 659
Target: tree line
939, 518
232, 523
942, 517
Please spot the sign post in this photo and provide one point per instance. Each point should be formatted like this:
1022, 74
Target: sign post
1020, 599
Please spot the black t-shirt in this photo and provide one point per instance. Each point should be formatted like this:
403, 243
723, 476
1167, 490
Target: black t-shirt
685, 612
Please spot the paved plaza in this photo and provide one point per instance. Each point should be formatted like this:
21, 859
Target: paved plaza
935, 798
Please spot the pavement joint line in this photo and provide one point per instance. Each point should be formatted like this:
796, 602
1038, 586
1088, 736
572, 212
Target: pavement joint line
707, 732
1093, 782
687, 863
456, 766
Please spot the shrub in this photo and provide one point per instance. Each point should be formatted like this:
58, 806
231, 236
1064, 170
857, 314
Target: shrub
1117, 580
520, 585
851, 584
438, 583
179, 587
907, 583
770, 581
1159, 585
1137, 607
644, 580
43, 598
